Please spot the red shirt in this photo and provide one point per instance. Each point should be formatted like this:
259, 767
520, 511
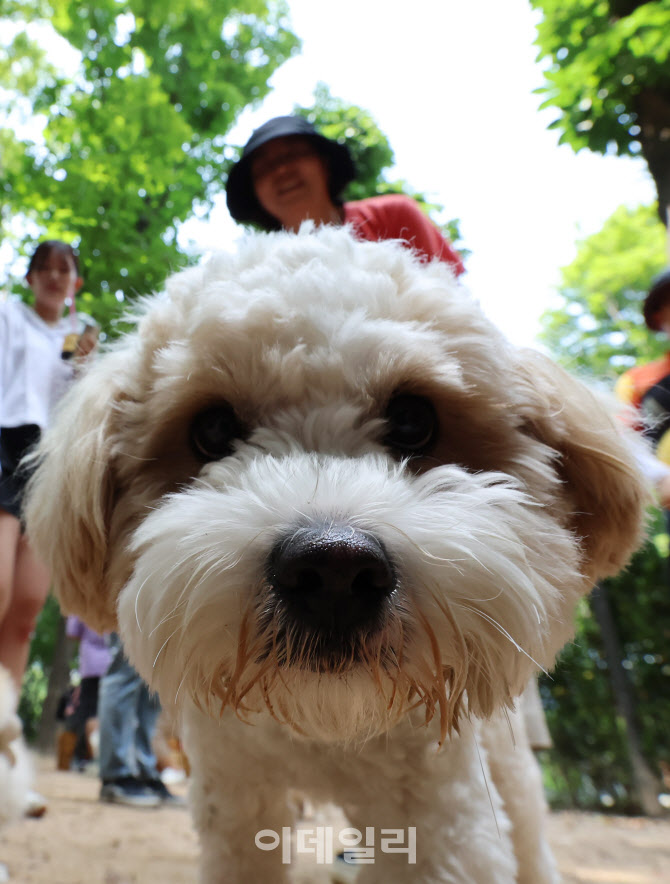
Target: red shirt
396, 216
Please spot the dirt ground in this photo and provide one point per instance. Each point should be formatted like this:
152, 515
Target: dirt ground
81, 841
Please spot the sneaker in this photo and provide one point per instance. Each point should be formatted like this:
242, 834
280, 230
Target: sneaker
79, 765
129, 792
161, 791
343, 872
171, 775
36, 805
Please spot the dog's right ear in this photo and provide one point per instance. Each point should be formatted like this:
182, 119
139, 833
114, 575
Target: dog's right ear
70, 497
606, 493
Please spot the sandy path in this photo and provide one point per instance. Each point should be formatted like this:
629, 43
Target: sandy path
80, 841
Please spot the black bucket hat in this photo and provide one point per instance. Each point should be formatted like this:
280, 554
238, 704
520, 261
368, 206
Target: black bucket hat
240, 195
659, 294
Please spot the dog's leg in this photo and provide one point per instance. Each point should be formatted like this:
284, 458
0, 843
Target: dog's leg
449, 798
518, 779
228, 824
235, 797
15, 766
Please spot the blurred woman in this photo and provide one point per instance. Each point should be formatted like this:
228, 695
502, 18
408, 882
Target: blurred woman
289, 173
35, 369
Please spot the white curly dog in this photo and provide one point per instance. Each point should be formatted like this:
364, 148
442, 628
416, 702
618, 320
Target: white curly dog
339, 521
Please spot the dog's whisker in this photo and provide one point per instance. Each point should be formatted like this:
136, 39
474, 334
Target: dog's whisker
452, 561
503, 632
482, 600
170, 616
162, 647
231, 561
486, 780
190, 586
505, 711
174, 571
221, 564
137, 599
179, 687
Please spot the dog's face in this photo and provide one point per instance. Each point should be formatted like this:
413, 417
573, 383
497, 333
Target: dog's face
316, 483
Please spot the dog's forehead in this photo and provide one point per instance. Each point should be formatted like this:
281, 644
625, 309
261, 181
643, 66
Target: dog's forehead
275, 281
318, 303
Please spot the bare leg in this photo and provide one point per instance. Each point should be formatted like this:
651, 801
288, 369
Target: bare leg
10, 534
28, 594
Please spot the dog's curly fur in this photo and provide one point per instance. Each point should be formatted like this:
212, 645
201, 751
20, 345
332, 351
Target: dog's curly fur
15, 766
341, 522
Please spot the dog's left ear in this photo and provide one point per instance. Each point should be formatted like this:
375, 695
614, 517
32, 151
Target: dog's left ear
71, 496
606, 494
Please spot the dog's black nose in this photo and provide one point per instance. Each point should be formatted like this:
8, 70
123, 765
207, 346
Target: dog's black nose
332, 578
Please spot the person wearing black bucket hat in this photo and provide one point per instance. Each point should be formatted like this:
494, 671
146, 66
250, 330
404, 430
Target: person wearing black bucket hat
302, 140
289, 173
657, 303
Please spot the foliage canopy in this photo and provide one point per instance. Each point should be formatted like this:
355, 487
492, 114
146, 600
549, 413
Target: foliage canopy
597, 328
609, 77
134, 119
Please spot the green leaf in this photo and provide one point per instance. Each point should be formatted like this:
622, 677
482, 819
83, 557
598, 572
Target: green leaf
136, 136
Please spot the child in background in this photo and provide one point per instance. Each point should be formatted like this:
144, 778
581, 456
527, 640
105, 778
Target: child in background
94, 659
33, 376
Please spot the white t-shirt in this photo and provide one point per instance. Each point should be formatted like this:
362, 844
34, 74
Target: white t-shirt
33, 376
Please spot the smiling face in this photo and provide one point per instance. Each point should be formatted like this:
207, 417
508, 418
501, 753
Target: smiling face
290, 179
54, 280
323, 487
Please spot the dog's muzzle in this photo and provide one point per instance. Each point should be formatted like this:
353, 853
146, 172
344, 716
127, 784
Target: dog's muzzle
333, 584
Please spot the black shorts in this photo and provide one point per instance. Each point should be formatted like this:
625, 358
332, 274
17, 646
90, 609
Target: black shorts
15, 442
87, 705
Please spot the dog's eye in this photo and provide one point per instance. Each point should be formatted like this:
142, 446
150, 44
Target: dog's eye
213, 432
412, 424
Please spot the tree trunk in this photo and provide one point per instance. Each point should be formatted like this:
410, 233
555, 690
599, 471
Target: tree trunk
652, 109
646, 785
59, 677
